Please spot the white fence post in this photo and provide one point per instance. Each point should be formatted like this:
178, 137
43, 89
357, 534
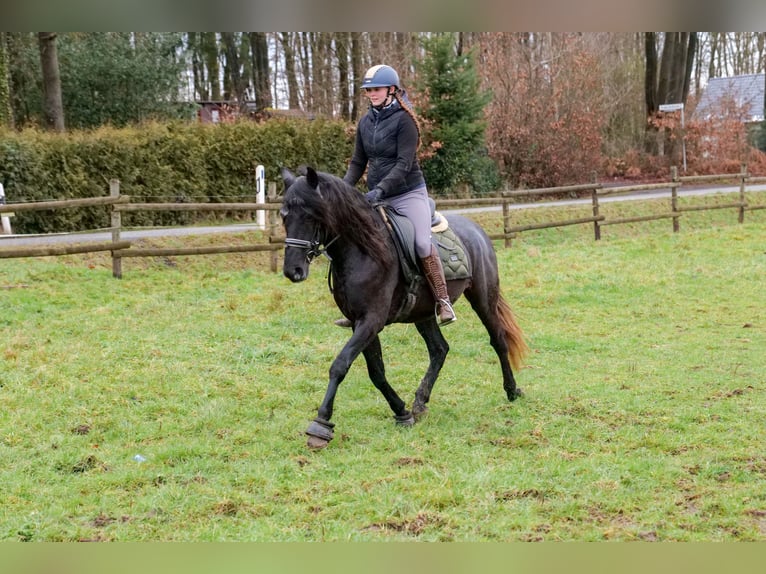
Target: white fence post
260, 196
5, 217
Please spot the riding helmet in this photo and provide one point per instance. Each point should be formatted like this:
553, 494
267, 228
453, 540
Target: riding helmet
380, 76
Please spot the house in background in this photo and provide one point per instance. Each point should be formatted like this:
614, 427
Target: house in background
218, 111
745, 92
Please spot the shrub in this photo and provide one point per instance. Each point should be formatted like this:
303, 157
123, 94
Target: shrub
176, 162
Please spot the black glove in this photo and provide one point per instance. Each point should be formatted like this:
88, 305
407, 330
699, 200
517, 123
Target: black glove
374, 196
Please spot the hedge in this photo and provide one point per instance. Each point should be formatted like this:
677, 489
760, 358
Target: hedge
159, 162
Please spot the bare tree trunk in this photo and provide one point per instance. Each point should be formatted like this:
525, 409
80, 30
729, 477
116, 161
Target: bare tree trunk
676, 65
323, 79
6, 113
261, 82
344, 97
650, 90
306, 56
233, 66
198, 70
356, 73
690, 53
711, 71
53, 106
292, 78
667, 59
209, 46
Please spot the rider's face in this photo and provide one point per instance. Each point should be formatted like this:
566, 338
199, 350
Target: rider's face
377, 95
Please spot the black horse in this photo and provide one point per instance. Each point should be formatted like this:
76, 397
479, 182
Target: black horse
323, 214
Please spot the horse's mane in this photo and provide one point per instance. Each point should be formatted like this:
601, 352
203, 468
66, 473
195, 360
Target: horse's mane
342, 210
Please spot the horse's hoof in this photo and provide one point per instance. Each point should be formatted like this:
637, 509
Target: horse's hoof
419, 413
315, 443
405, 420
517, 393
320, 433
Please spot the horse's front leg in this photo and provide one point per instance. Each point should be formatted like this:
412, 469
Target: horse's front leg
437, 353
373, 355
320, 430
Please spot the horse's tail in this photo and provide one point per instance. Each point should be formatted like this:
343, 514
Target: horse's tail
517, 345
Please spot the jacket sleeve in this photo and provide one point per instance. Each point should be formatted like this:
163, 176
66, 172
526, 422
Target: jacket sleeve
358, 161
406, 148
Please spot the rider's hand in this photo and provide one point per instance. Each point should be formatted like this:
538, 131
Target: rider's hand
374, 196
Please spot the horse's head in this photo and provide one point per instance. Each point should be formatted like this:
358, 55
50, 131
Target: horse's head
299, 218
318, 208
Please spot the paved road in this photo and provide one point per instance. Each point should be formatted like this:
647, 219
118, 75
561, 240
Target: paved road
62, 238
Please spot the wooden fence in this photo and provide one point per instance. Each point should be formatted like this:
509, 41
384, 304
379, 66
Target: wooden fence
121, 249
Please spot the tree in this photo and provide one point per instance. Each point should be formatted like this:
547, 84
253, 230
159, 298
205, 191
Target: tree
210, 58
6, 113
53, 106
546, 120
668, 82
342, 48
356, 74
122, 78
233, 72
453, 110
261, 83
290, 71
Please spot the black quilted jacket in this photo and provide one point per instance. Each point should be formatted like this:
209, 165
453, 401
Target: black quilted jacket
386, 143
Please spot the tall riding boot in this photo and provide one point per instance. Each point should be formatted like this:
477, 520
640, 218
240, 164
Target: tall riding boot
432, 267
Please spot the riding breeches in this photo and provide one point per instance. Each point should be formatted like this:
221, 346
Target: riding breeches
414, 206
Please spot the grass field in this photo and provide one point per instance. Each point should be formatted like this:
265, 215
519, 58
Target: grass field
171, 404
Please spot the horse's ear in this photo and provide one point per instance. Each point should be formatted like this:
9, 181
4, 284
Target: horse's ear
311, 177
287, 177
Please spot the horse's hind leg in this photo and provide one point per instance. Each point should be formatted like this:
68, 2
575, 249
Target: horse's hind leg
437, 353
496, 317
373, 355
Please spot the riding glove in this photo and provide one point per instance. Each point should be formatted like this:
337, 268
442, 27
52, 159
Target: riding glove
374, 196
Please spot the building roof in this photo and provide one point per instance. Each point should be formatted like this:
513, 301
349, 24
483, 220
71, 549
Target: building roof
746, 91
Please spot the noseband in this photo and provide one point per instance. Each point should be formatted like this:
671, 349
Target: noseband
313, 248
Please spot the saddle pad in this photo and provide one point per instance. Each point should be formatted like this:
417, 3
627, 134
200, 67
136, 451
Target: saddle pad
452, 253
451, 250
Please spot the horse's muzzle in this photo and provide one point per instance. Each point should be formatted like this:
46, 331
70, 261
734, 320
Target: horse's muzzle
296, 274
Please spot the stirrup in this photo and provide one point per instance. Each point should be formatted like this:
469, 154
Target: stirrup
441, 306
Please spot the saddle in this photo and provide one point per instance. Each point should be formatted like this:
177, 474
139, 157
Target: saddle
451, 251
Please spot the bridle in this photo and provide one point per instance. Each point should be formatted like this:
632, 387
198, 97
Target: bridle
312, 248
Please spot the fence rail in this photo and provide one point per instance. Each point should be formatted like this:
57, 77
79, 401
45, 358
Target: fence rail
121, 249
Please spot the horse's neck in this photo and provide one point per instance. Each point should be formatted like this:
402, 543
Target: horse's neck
346, 253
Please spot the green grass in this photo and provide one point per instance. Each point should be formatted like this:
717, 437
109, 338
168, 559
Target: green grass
643, 418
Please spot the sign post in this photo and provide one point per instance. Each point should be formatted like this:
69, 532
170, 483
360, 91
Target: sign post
675, 108
260, 195
5, 216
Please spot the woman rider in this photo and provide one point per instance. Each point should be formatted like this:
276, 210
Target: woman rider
387, 140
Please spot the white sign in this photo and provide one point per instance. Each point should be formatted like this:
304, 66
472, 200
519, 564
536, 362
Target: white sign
260, 197
671, 107
4, 218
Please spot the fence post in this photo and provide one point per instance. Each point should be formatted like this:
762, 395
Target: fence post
114, 191
742, 199
273, 224
674, 196
5, 217
260, 195
594, 201
506, 222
